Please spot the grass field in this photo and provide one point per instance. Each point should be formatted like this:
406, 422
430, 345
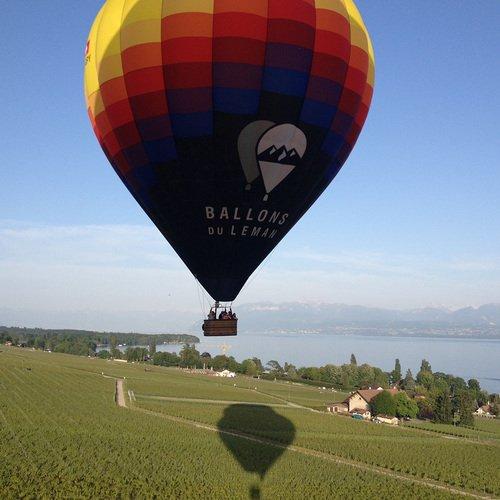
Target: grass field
63, 436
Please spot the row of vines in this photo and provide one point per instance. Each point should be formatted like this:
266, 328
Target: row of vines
63, 437
456, 463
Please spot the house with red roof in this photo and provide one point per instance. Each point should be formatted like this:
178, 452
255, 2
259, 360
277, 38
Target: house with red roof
359, 401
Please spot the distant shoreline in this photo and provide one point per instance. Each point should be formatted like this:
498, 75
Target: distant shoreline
400, 335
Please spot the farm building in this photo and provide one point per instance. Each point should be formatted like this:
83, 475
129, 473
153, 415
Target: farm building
484, 411
337, 408
360, 400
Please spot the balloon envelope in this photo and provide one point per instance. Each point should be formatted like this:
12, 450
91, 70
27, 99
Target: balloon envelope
226, 119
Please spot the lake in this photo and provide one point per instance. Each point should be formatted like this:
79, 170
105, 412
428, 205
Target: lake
467, 358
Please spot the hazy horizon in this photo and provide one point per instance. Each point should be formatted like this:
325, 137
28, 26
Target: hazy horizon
138, 321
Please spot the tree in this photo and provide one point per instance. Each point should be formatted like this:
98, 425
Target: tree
130, 354
426, 379
249, 367
50, 344
405, 407
383, 404
274, 367
258, 363
166, 359
425, 366
116, 353
364, 375
466, 407
113, 342
495, 409
396, 374
290, 370
92, 346
443, 410
309, 373
136, 354
425, 376
473, 385
353, 360
331, 374
189, 356
409, 382
380, 378
205, 358
104, 354
152, 346
494, 400
420, 390
222, 362
483, 398
39, 343
425, 409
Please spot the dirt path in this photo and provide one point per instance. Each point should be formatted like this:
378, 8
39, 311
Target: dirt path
119, 394
215, 401
324, 456
288, 402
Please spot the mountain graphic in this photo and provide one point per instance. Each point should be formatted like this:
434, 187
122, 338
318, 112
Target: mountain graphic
280, 155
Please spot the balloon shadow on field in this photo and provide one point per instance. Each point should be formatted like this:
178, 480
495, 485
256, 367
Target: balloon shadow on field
273, 433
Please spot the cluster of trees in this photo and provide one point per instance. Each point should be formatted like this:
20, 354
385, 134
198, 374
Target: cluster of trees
436, 396
445, 398
85, 343
399, 405
57, 341
131, 354
348, 376
190, 357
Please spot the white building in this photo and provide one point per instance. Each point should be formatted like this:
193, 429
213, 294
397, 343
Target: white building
384, 419
226, 374
484, 411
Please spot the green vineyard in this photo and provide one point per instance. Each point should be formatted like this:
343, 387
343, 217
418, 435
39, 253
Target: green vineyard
64, 436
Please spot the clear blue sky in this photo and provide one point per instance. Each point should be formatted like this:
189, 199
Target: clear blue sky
412, 220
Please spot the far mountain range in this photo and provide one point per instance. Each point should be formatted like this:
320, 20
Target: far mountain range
341, 318
291, 317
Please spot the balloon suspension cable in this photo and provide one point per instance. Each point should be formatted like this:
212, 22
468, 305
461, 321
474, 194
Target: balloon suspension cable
252, 278
203, 298
200, 297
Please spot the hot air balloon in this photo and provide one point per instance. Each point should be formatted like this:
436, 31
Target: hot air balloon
227, 119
